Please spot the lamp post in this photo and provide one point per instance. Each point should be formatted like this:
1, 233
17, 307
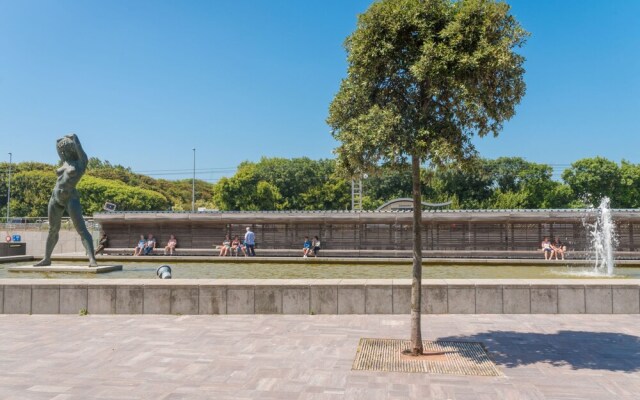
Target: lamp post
193, 184
9, 189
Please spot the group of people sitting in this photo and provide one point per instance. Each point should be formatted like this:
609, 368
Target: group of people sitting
234, 247
553, 250
311, 247
146, 246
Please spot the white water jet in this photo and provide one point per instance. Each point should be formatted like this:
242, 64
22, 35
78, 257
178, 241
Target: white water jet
603, 239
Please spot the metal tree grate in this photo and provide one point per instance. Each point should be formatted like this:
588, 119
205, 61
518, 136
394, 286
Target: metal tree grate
460, 358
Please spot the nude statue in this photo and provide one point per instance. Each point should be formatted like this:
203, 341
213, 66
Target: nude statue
65, 197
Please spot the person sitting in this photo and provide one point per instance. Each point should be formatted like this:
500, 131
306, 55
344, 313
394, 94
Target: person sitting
225, 249
315, 246
171, 245
137, 251
150, 245
236, 246
559, 248
306, 247
104, 242
547, 248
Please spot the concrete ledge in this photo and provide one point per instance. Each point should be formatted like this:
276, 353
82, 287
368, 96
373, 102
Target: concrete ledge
67, 268
377, 296
325, 259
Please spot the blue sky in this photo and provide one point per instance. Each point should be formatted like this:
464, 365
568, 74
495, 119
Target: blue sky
144, 82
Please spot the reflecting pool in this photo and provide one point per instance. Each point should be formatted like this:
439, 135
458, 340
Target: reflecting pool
147, 270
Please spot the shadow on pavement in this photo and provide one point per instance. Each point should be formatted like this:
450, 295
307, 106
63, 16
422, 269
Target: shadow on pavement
577, 349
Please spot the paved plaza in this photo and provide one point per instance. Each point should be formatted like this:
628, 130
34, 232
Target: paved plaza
309, 357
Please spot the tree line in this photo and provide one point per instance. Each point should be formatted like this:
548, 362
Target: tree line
306, 184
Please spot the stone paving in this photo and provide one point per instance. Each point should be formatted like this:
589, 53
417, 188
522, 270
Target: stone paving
308, 357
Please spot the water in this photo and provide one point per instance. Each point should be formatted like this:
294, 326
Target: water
603, 240
147, 270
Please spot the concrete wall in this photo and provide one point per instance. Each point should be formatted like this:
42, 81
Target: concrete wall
45, 296
69, 242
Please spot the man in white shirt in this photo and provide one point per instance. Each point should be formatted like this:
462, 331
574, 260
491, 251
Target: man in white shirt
250, 242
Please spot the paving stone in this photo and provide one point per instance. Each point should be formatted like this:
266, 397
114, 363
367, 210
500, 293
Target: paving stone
542, 357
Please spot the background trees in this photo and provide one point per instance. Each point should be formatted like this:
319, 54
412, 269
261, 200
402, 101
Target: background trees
506, 182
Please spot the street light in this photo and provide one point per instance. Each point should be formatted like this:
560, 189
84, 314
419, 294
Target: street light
9, 189
193, 184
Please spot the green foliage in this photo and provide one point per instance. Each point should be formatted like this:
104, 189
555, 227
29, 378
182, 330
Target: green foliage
95, 191
591, 179
30, 192
178, 193
628, 192
33, 182
498, 184
423, 77
283, 184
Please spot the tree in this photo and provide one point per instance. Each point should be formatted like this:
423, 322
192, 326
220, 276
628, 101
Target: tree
472, 185
629, 190
423, 77
592, 179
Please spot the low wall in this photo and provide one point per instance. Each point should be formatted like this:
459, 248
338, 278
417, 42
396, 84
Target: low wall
44, 296
68, 242
13, 249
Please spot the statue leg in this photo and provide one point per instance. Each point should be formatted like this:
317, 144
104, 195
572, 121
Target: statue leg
55, 211
75, 212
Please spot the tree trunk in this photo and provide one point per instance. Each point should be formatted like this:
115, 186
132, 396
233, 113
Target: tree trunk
416, 284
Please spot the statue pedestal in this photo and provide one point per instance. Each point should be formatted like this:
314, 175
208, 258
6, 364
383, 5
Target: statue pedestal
67, 268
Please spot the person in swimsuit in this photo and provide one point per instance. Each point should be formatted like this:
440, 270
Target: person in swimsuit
225, 249
171, 245
137, 251
559, 248
547, 249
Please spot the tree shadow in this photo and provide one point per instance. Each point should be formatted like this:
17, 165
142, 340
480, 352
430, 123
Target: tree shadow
578, 349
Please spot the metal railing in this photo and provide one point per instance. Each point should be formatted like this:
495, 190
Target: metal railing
42, 223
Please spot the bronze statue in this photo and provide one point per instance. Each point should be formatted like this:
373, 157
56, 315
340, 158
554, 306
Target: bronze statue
65, 197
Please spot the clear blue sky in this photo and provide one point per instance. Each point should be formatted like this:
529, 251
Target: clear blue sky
143, 82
